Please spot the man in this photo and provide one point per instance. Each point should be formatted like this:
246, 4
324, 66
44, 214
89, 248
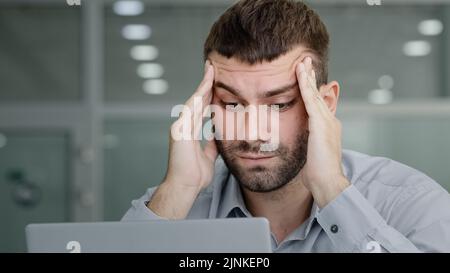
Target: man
316, 197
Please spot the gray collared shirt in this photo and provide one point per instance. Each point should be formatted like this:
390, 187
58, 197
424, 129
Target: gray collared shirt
388, 204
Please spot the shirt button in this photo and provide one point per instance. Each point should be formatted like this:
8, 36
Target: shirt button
334, 228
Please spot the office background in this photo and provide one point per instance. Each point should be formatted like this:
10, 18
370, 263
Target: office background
86, 93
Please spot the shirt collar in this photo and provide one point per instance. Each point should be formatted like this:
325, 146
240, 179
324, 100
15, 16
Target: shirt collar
301, 232
232, 199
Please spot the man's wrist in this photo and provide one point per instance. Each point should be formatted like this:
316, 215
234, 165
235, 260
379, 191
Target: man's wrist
173, 201
327, 192
174, 186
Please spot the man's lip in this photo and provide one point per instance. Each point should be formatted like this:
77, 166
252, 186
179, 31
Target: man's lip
255, 157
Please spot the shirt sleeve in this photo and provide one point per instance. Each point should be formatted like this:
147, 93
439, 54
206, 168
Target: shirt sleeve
354, 225
139, 210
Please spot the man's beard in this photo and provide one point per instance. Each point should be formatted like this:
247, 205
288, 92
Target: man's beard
265, 178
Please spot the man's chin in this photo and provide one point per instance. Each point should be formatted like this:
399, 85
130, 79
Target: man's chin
260, 184
257, 178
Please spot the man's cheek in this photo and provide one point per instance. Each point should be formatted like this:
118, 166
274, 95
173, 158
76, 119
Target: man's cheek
269, 130
227, 125
301, 109
218, 122
296, 118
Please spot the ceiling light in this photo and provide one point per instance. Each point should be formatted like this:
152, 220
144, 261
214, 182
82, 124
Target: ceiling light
386, 82
380, 96
136, 32
155, 86
430, 27
416, 48
144, 52
150, 70
128, 8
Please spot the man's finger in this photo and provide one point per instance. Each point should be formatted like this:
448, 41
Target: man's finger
308, 65
313, 82
307, 93
211, 150
204, 86
207, 81
204, 96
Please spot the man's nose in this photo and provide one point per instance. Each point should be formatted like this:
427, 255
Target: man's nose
255, 123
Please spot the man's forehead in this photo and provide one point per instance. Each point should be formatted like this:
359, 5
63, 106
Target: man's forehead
281, 64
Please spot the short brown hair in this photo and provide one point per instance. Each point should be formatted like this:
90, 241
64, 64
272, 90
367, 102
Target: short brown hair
262, 30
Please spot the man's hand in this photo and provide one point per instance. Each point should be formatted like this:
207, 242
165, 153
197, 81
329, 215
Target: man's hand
322, 173
190, 167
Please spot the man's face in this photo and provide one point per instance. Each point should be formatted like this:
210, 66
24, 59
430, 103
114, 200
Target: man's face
271, 84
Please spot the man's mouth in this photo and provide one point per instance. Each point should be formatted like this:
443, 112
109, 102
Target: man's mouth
255, 158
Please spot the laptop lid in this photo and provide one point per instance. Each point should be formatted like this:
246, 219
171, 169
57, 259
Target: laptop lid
195, 236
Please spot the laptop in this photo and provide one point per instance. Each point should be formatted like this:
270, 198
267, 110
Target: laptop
232, 235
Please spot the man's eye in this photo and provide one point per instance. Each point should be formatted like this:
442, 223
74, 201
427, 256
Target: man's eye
280, 106
233, 106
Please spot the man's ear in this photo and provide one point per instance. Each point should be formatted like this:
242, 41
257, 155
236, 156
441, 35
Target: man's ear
330, 94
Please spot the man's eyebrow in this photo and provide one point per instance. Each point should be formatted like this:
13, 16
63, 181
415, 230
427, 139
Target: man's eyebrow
266, 94
226, 87
279, 90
